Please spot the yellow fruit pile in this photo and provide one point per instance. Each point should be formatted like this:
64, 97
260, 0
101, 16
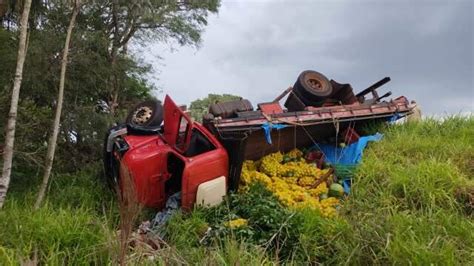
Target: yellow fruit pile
291, 179
236, 223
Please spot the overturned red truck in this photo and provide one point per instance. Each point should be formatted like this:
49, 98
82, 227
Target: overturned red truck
166, 152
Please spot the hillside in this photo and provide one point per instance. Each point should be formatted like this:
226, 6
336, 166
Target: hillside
411, 202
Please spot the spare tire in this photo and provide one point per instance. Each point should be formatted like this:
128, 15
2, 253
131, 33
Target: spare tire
146, 114
312, 87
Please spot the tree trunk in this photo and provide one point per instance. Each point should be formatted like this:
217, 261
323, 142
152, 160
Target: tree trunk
10, 131
57, 117
113, 82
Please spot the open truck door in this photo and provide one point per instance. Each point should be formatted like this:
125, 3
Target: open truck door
176, 126
198, 160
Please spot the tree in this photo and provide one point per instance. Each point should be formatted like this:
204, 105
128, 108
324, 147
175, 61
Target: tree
59, 107
142, 21
91, 80
200, 107
10, 131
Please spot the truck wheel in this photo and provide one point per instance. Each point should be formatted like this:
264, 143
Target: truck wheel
312, 87
146, 114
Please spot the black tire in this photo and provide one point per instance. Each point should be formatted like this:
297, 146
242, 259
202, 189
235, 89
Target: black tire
312, 87
146, 114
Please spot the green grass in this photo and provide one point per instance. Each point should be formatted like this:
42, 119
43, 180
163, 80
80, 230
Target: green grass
410, 204
407, 204
73, 226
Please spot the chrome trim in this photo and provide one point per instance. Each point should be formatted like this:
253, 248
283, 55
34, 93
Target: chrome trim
112, 136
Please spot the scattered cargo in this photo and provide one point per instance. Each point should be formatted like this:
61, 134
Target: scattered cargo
293, 180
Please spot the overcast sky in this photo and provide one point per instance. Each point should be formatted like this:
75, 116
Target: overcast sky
256, 49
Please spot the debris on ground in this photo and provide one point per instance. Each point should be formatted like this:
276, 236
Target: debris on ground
149, 236
172, 205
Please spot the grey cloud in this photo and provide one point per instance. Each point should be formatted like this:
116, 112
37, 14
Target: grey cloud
256, 49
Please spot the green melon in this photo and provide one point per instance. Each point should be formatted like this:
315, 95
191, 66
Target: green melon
336, 190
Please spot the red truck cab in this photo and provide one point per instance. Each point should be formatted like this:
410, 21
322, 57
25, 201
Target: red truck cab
178, 156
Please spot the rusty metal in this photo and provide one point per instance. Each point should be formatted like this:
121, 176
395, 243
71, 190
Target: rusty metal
323, 114
270, 108
230, 108
303, 128
248, 114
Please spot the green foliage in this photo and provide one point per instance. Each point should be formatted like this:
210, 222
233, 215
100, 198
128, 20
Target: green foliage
65, 233
186, 230
8, 50
71, 227
103, 78
405, 206
283, 234
200, 107
268, 221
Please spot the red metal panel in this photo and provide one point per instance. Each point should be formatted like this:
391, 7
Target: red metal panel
270, 108
146, 162
350, 135
171, 122
200, 169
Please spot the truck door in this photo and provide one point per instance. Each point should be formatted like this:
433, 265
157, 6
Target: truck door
177, 126
204, 158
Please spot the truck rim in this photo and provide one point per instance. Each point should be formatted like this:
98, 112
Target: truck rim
142, 115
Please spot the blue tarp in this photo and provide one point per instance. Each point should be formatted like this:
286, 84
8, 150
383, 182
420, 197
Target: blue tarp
267, 128
348, 156
351, 154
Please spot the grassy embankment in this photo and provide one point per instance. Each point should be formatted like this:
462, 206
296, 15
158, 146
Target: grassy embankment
410, 203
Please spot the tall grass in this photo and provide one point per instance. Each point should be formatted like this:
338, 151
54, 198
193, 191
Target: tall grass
71, 228
411, 203
405, 207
